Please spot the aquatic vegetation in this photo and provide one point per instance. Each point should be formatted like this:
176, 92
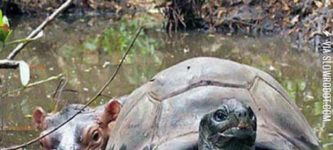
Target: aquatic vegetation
115, 39
118, 38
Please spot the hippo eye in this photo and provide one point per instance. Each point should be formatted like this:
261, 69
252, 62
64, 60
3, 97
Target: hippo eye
95, 136
45, 142
41, 144
220, 115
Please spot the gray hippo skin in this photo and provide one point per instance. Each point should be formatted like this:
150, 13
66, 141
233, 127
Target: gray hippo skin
87, 131
165, 113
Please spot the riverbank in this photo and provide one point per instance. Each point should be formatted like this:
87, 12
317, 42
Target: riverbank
307, 23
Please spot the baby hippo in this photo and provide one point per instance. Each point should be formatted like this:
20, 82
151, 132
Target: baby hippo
89, 130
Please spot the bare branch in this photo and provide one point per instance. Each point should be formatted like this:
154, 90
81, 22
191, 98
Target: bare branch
9, 64
35, 32
33, 84
87, 104
43, 81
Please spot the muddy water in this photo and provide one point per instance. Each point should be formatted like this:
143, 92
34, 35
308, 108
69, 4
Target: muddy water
87, 50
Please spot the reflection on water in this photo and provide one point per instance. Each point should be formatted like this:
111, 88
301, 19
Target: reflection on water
87, 51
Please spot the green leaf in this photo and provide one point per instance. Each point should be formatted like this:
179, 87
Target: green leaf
5, 31
1, 18
302, 85
24, 73
5, 21
8, 35
3, 34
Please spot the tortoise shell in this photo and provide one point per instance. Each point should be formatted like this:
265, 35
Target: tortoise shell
165, 112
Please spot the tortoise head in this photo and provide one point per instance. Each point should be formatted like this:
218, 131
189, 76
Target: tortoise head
231, 126
89, 130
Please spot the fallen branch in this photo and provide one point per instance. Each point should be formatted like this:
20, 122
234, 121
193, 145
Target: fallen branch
39, 29
99, 93
9, 64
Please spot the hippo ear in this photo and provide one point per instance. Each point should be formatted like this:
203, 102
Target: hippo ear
38, 117
110, 112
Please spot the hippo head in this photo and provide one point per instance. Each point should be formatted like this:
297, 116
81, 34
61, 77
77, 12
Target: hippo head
89, 130
230, 127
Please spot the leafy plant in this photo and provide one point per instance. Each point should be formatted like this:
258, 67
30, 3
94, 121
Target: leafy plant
5, 30
116, 39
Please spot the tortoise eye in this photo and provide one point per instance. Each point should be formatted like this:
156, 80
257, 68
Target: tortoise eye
251, 113
220, 115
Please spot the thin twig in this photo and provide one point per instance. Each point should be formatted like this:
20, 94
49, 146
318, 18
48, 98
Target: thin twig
57, 93
35, 32
39, 35
33, 84
43, 81
87, 104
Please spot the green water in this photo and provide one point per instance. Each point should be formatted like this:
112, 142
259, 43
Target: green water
87, 51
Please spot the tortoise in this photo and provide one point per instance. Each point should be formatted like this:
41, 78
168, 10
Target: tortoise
167, 112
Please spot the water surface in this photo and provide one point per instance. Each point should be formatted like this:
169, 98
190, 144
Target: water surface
87, 50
